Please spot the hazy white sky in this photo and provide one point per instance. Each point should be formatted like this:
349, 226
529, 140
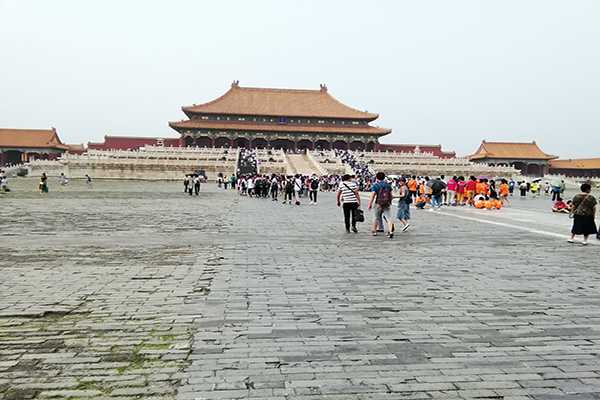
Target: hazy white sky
449, 72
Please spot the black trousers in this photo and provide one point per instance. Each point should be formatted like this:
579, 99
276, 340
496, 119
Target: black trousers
274, 194
350, 211
312, 195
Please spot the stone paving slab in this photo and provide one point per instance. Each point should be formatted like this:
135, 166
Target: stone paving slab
142, 292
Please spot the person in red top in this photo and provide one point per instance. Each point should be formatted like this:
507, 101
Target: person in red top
451, 190
560, 206
470, 187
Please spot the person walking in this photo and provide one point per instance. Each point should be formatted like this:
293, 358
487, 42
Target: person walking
186, 183
381, 196
349, 198
523, 189
274, 187
313, 189
43, 186
288, 189
583, 211
3, 182
437, 187
197, 185
404, 201
297, 188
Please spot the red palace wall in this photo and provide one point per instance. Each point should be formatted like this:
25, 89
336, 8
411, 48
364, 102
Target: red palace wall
131, 143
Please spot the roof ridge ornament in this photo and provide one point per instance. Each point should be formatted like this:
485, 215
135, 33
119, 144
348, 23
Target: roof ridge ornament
323, 87
235, 83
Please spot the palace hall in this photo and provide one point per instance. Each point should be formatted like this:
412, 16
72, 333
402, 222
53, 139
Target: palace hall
526, 157
291, 119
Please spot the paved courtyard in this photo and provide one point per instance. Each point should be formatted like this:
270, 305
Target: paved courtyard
133, 290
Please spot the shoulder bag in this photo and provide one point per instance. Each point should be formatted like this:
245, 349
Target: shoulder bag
359, 214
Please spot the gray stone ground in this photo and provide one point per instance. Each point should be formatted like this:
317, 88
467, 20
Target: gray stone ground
134, 290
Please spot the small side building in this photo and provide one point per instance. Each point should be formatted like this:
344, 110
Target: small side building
435, 149
22, 145
576, 168
132, 142
526, 157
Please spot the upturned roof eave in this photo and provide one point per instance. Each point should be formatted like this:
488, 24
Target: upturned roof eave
189, 111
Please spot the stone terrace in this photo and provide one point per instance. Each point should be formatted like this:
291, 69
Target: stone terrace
135, 290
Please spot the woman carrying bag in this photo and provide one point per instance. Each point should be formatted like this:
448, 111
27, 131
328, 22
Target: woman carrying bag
349, 199
583, 212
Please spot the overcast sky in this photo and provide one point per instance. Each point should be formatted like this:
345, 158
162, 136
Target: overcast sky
448, 72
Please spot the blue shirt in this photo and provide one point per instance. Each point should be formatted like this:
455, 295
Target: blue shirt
381, 185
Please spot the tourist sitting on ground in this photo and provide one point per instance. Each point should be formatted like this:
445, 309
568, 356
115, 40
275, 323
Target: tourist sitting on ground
479, 201
561, 207
421, 201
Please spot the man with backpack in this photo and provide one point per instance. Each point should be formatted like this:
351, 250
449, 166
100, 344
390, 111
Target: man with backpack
288, 190
381, 195
437, 188
313, 189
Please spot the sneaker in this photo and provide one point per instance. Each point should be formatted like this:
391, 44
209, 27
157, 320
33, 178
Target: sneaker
347, 230
391, 235
354, 230
571, 241
405, 227
374, 233
584, 243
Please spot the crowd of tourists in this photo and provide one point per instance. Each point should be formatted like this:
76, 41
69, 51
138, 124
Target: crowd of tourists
360, 168
247, 162
421, 192
292, 188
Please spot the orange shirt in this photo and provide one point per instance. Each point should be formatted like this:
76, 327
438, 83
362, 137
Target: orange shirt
412, 185
503, 189
479, 188
422, 188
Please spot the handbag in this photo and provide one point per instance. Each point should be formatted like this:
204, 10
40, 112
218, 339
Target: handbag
359, 215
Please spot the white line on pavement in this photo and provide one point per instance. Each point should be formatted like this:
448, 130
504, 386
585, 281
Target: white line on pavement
504, 224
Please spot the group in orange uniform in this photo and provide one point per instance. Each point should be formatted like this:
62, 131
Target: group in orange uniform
480, 193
